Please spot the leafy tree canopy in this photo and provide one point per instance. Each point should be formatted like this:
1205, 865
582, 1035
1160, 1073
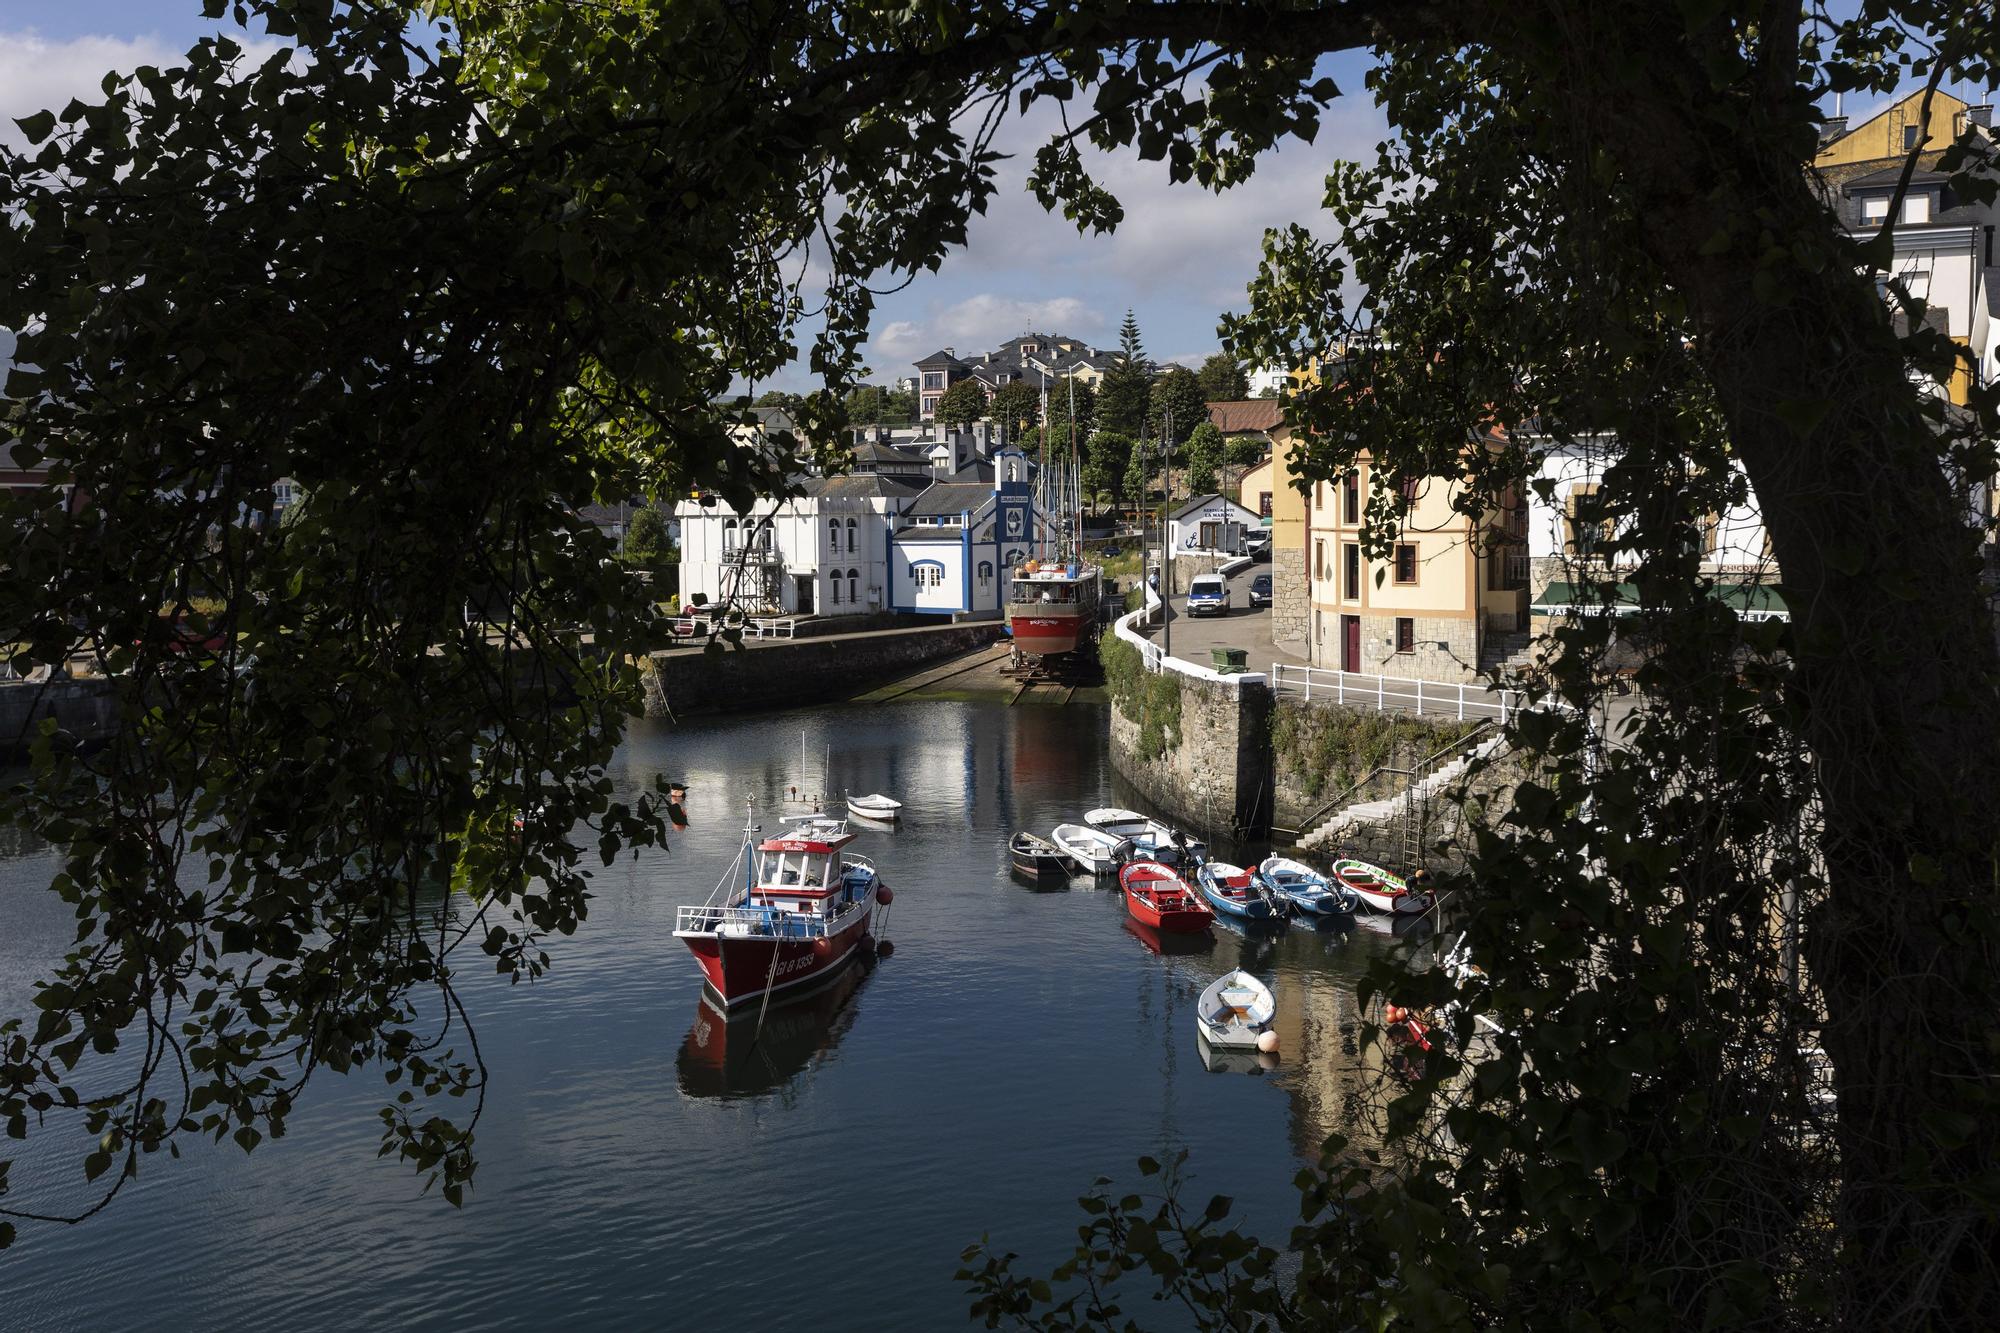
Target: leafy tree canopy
1204, 457
1742, 953
1175, 405
1016, 406
1060, 400
1222, 379
962, 404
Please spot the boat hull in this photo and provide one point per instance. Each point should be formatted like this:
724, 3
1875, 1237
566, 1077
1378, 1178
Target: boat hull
1381, 891
1039, 866
737, 968
1167, 905
1247, 909
1036, 631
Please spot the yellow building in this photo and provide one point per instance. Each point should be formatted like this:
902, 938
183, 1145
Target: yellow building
1452, 596
1291, 612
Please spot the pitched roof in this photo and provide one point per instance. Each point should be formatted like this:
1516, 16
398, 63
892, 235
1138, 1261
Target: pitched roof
865, 485
943, 356
1203, 501
951, 497
1249, 415
868, 451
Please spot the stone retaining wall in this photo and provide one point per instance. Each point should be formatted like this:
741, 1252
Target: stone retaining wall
1216, 777
87, 709
788, 673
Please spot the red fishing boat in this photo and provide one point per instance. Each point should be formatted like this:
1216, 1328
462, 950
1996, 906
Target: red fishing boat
1052, 600
1157, 896
804, 908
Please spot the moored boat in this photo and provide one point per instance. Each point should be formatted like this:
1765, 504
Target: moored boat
803, 910
1379, 889
1096, 851
1236, 892
1151, 839
1037, 857
874, 807
1159, 897
1307, 889
1235, 1010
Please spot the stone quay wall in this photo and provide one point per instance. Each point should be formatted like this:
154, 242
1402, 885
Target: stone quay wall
1215, 775
86, 709
787, 673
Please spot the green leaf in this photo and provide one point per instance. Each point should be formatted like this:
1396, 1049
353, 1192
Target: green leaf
38, 126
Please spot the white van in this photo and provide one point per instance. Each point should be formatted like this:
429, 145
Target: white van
1208, 595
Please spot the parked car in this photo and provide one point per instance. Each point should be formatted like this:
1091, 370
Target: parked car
1257, 545
1110, 549
1260, 591
1208, 595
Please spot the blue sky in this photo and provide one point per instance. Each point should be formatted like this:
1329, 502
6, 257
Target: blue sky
1180, 260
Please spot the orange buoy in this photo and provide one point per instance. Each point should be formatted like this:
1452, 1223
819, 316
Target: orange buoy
884, 895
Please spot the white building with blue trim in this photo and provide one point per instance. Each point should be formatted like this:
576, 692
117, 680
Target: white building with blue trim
955, 543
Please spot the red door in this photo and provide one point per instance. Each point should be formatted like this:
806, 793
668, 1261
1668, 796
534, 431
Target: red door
1350, 643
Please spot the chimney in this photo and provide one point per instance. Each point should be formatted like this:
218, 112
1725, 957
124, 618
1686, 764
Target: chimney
1981, 115
1832, 128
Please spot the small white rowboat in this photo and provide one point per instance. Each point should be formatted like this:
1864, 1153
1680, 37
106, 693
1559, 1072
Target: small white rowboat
1096, 851
874, 807
1235, 1010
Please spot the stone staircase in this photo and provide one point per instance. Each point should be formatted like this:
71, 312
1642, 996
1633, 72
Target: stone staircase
1400, 830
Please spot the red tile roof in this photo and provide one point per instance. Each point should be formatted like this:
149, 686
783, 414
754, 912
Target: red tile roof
1249, 415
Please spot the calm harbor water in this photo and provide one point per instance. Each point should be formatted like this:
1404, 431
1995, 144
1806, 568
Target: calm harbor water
643, 1166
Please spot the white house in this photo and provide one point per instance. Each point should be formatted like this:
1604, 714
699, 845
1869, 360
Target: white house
1567, 544
959, 538
822, 553
1211, 524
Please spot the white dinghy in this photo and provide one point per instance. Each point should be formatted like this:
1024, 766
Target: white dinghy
874, 807
1236, 1011
1098, 852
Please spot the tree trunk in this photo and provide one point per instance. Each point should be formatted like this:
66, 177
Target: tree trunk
1893, 644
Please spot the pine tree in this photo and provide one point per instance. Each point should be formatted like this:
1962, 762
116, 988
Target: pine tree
1121, 398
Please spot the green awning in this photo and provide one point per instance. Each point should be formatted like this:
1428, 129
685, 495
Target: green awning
1751, 601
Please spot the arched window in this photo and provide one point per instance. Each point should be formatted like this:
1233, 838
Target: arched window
927, 574
833, 597
854, 586
850, 536
985, 574
728, 535
833, 534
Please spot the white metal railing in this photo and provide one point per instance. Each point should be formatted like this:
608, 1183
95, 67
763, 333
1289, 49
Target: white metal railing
766, 921
772, 627
1396, 694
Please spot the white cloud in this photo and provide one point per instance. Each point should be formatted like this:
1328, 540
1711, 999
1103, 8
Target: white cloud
977, 324
37, 74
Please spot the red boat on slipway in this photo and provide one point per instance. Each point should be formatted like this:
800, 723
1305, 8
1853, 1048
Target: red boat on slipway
805, 908
1157, 896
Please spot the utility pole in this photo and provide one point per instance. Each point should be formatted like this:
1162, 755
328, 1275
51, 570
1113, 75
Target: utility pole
1166, 564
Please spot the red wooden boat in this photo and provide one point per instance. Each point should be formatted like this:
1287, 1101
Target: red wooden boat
1157, 896
805, 908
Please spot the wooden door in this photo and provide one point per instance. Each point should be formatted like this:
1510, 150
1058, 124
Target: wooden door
1350, 643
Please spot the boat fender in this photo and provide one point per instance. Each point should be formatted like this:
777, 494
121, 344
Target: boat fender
1267, 1042
885, 948
884, 895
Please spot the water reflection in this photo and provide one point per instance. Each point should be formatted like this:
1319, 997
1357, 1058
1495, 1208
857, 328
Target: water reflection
1166, 942
1227, 1060
748, 1055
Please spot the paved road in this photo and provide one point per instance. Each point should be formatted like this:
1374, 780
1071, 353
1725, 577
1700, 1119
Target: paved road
1238, 627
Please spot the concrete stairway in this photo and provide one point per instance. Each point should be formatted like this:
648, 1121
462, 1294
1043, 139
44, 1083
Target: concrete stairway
1393, 825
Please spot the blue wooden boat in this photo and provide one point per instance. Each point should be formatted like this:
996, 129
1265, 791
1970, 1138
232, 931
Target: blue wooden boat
1308, 891
1236, 892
